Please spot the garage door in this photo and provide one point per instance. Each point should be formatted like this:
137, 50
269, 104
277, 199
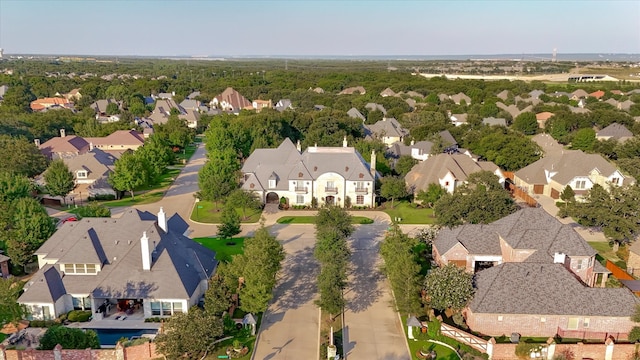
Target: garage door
538, 189
555, 194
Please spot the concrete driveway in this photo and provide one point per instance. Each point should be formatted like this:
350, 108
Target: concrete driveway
290, 327
372, 327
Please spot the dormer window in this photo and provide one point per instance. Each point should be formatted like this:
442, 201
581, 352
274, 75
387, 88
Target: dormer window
81, 174
272, 183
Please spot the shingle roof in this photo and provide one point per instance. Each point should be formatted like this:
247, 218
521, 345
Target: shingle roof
491, 121
356, 114
616, 131
178, 263
234, 98
565, 166
46, 286
436, 167
287, 163
118, 138
67, 144
386, 127
545, 289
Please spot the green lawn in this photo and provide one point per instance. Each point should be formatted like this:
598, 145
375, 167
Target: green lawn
409, 213
147, 194
223, 251
606, 252
2, 337
207, 212
312, 220
442, 352
185, 154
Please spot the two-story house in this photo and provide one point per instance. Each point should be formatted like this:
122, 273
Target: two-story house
138, 265
328, 174
551, 174
534, 276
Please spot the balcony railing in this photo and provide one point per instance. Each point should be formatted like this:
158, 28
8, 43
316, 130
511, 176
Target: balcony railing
301, 190
364, 191
333, 190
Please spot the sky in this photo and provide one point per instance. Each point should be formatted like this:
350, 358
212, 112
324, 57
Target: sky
318, 27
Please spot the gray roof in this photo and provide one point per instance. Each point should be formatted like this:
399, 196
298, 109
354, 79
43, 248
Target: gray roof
356, 114
448, 138
190, 104
286, 163
536, 93
526, 229
386, 127
96, 162
545, 289
283, 105
179, 264
100, 106
376, 107
436, 167
398, 148
491, 121
457, 98
565, 166
46, 286
616, 131
193, 95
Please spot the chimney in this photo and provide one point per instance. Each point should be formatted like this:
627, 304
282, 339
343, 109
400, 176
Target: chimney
344, 142
449, 113
37, 142
559, 258
162, 220
146, 254
413, 142
91, 146
298, 146
373, 163
62, 133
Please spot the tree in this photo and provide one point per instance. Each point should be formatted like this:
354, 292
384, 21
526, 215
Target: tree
113, 108
393, 188
584, 139
60, 181
404, 164
244, 200
157, 154
331, 282
218, 177
189, 335
568, 195
230, 222
481, 201
526, 123
219, 296
18, 99
20, 156
30, 226
434, 193
10, 310
333, 218
69, 338
403, 271
13, 186
257, 267
448, 287
176, 132
130, 173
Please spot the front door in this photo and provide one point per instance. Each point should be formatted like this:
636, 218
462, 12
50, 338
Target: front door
330, 200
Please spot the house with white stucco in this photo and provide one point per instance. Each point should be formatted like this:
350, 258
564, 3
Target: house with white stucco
331, 175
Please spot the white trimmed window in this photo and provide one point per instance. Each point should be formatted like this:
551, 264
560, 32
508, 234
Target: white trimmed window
79, 268
272, 184
299, 199
166, 308
81, 174
360, 200
581, 184
615, 181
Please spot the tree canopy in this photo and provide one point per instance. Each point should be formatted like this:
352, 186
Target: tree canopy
189, 335
60, 181
69, 338
448, 287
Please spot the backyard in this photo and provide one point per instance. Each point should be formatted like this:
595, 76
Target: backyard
605, 252
409, 213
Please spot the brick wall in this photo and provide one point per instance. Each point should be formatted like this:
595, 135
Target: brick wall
145, 351
533, 325
590, 351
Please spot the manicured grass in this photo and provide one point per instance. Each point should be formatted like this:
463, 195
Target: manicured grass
2, 337
147, 194
409, 213
210, 213
312, 220
223, 251
421, 259
415, 345
249, 341
185, 154
606, 252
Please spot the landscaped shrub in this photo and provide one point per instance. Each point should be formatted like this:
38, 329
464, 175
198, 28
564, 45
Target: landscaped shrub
634, 334
524, 349
152, 319
102, 197
93, 210
43, 323
366, 221
79, 315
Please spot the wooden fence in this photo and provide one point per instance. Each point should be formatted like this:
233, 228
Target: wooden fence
618, 272
521, 194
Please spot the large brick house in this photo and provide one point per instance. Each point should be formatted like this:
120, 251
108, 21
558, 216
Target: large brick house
534, 276
328, 174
